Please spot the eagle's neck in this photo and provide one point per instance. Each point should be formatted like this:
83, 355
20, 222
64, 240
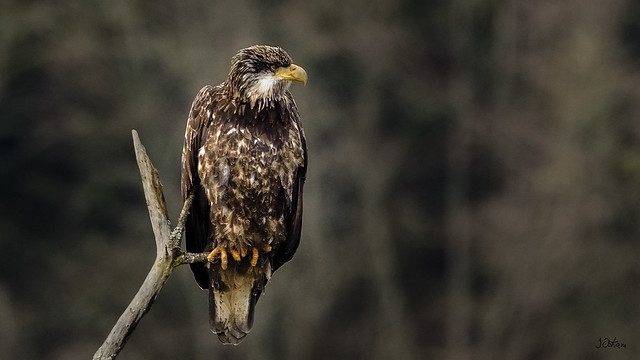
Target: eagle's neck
259, 92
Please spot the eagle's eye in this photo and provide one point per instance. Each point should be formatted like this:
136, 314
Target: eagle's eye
274, 68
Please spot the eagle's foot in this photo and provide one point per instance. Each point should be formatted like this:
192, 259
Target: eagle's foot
224, 261
254, 256
237, 256
255, 253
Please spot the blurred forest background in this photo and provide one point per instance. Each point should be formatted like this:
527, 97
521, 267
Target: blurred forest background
473, 188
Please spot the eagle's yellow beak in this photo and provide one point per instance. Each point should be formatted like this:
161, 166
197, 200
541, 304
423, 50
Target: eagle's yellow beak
292, 72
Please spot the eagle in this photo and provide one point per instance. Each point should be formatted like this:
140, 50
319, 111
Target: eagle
245, 160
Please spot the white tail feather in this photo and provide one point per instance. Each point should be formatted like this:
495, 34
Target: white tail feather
231, 306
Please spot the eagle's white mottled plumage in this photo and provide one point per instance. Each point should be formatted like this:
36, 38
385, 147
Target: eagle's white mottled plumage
245, 160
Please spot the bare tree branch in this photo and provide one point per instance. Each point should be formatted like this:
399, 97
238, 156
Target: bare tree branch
168, 255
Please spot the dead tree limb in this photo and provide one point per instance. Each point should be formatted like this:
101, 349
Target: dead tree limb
168, 255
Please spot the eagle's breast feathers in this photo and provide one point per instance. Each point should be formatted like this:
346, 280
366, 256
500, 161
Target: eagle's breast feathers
247, 169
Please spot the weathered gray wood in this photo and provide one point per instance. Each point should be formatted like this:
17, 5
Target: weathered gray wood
168, 255
154, 196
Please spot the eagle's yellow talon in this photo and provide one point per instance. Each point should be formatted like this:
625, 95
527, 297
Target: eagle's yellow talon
223, 259
212, 254
235, 254
243, 252
254, 256
267, 248
223, 256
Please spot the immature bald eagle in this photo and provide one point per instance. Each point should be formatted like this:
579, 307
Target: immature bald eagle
245, 159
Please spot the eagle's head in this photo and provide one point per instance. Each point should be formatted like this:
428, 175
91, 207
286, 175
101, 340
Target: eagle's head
262, 73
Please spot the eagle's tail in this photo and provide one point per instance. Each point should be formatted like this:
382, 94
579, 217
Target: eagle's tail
232, 299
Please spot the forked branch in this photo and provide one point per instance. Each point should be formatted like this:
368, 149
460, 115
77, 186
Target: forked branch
168, 255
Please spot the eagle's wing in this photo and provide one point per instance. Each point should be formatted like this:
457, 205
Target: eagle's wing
198, 226
293, 213
195, 135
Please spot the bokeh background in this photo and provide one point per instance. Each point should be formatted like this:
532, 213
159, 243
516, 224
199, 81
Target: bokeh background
473, 188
